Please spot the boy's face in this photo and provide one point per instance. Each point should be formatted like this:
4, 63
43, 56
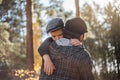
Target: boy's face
57, 34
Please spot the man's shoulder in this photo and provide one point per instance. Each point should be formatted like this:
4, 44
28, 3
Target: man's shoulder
85, 55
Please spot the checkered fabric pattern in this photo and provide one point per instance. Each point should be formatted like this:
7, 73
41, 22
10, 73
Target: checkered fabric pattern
72, 63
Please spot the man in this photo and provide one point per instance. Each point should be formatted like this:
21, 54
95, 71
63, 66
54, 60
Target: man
71, 62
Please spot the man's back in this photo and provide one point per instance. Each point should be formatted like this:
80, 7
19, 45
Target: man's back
72, 63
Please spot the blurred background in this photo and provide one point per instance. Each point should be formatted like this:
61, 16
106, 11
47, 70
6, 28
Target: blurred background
22, 30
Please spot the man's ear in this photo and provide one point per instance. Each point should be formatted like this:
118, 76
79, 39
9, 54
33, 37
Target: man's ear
81, 37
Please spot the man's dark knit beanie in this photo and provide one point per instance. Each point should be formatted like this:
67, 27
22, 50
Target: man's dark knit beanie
76, 25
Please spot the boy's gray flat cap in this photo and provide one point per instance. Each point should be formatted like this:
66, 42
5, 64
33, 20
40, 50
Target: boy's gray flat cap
54, 24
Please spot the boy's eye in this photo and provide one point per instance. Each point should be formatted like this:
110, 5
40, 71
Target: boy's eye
60, 34
53, 36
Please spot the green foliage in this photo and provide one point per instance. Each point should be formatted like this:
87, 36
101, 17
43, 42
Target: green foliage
105, 40
114, 37
4, 7
12, 36
6, 45
56, 9
9, 51
13, 12
5, 50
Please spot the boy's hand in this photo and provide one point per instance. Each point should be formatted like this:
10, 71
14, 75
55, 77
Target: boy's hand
75, 42
48, 65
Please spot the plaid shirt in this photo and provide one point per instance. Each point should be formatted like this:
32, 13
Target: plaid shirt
71, 62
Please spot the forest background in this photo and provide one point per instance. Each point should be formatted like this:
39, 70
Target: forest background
22, 30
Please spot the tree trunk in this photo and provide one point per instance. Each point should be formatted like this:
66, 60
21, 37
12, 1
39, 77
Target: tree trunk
77, 8
29, 54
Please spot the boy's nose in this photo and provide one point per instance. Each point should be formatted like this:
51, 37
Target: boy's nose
57, 38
